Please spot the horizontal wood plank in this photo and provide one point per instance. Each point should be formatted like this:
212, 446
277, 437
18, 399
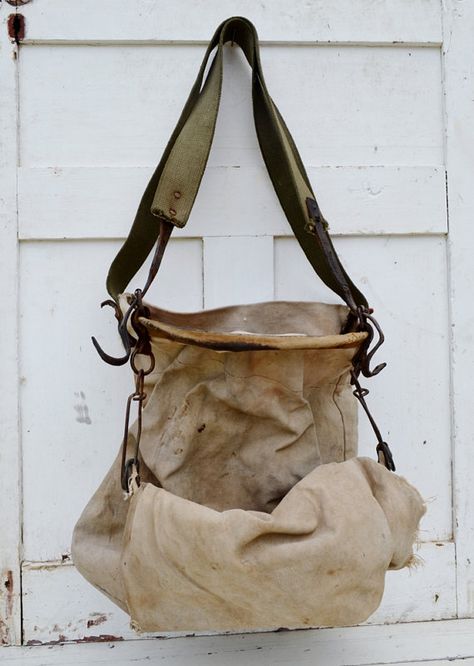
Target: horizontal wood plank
163, 20
237, 269
60, 605
100, 202
430, 643
354, 105
439, 642
462, 661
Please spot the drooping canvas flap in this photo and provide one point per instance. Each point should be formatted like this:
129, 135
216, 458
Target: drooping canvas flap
319, 559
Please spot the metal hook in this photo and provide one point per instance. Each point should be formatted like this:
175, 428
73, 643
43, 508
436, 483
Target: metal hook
364, 357
366, 371
126, 338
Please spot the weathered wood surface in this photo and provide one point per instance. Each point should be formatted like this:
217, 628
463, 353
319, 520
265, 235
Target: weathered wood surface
10, 464
417, 21
459, 80
386, 114
59, 605
431, 643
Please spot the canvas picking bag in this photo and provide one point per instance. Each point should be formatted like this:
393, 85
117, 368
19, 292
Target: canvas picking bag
245, 504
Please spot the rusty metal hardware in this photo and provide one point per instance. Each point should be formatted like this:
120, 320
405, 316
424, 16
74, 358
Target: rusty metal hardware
367, 323
360, 319
166, 229
135, 347
136, 309
18, 3
361, 365
383, 450
127, 464
16, 28
142, 348
126, 338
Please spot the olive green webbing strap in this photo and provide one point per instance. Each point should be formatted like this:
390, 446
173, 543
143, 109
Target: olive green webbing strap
171, 192
146, 227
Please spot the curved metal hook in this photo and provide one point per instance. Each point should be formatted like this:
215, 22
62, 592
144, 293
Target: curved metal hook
124, 335
368, 324
366, 371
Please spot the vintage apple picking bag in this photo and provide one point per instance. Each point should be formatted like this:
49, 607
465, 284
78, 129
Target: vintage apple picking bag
245, 504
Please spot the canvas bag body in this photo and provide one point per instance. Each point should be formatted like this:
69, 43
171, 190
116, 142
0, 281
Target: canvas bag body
231, 527
252, 510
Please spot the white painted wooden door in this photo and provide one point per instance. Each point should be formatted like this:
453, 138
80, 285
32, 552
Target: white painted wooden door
377, 96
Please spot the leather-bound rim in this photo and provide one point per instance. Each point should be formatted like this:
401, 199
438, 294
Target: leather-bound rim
250, 341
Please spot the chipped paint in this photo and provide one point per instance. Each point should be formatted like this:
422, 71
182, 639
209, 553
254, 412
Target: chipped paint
65, 561
4, 632
96, 619
101, 638
8, 584
6, 612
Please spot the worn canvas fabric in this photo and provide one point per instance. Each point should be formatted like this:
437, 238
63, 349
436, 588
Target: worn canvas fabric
241, 521
237, 500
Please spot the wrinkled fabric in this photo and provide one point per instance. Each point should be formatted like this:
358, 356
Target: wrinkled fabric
247, 515
319, 559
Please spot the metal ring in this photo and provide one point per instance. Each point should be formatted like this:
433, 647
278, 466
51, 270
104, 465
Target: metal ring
136, 370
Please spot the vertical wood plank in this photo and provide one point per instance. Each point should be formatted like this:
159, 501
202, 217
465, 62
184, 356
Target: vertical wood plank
458, 57
237, 270
10, 583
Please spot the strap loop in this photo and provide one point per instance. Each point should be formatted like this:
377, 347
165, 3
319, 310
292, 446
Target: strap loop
171, 192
